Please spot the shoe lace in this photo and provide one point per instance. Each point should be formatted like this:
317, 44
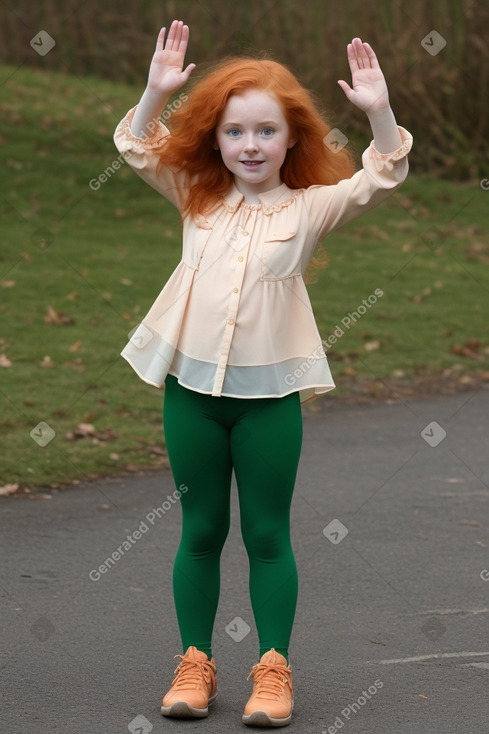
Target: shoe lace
270, 678
189, 673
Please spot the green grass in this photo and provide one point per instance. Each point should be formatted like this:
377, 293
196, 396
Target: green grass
101, 257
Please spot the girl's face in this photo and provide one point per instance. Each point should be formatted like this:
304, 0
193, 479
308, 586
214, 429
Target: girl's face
253, 137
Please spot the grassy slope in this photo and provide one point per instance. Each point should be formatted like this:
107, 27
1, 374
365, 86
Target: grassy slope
101, 257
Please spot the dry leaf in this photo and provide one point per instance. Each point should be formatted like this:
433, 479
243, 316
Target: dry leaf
371, 346
5, 361
126, 281
47, 362
421, 696
7, 283
57, 317
8, 489
74, 347
473, 523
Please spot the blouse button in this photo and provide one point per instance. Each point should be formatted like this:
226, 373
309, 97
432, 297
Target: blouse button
235, 290
240, 258
231, 321
245, 234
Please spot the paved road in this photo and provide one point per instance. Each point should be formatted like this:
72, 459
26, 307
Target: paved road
391, 633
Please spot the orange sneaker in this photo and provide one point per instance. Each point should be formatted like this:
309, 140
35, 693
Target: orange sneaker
272, 700
194, 687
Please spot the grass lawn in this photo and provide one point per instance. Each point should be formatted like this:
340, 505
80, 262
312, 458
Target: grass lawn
79, 268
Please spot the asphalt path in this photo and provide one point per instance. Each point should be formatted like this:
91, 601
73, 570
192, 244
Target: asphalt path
390, 532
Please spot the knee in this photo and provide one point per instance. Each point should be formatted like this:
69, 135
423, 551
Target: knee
265, 544
205, 538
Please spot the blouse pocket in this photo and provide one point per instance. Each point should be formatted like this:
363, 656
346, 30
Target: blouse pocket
281, 255
195, 238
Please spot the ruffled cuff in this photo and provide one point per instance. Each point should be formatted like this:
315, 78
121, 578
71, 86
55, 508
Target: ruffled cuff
385, 161
126, 140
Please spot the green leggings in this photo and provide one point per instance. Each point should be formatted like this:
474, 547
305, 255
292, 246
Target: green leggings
261, 438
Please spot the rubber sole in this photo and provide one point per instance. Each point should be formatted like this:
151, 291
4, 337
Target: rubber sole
261, 718
181, 709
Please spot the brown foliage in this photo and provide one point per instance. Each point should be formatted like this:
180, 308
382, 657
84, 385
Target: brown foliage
441, 98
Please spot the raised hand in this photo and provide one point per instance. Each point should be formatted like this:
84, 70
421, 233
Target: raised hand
369, 91
166, 73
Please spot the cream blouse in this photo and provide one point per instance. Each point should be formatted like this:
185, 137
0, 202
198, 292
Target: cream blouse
235, 319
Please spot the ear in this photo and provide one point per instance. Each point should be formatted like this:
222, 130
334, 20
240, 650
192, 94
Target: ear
291, 143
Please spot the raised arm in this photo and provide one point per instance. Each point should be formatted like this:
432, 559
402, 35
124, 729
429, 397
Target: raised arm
166, 76
370, 94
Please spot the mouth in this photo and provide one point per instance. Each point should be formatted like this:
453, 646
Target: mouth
252, 164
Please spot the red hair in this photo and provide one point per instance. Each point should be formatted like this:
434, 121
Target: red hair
192, 127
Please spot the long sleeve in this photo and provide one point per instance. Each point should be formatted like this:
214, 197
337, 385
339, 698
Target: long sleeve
330, 207
142, 154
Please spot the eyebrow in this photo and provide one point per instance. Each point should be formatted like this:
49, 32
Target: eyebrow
265, 122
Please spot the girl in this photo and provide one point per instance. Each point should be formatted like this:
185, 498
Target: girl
258, 178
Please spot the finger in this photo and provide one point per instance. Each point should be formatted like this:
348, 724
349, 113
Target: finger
374, 63
360, 53
189, 70
352, 59
345, 87
160, 41
170, 41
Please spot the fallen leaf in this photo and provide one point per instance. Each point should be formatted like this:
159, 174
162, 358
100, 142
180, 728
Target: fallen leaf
72, 296
371, 346
421, 696
467, 350
8, 489
126, 281
7, 283
57, 317
5, 361
473, 523
74, 347
47, 362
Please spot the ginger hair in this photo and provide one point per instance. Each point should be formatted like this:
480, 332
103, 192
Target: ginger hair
192, 127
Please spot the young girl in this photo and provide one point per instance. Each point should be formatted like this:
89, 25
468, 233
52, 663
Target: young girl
259, 179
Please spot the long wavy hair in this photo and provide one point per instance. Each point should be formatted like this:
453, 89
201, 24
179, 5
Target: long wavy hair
190, 146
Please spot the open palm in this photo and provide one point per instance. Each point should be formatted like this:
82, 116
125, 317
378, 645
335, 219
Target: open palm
369, 92
166, 73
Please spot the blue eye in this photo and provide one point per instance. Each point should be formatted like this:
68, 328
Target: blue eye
269, 129
233, 130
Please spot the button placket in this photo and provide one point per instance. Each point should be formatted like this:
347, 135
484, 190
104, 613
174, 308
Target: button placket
242, 247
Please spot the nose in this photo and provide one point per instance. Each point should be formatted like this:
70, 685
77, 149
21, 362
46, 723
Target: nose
250, 143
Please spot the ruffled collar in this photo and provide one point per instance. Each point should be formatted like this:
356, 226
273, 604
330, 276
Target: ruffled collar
271, 201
